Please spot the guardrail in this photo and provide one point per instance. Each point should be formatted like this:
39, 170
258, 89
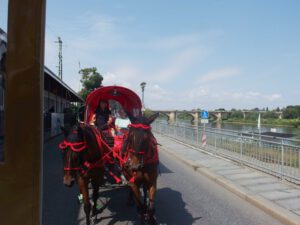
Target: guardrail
277, 156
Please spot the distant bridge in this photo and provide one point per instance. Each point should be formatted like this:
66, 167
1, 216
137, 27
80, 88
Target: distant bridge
172, 114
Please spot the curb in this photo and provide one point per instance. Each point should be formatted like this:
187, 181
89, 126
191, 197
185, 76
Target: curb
277, 212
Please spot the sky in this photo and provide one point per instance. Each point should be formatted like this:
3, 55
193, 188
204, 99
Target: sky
192, 54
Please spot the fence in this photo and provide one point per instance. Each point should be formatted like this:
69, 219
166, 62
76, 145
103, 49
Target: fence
277, 156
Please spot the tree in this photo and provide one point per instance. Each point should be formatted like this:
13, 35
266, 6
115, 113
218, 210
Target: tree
269, 115
90, 80
291, 112
237, 114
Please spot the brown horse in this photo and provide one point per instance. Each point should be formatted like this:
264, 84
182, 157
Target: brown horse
141, 168
83, 163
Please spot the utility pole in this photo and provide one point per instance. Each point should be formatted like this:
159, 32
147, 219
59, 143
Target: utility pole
143, 85
60, 65
79, 86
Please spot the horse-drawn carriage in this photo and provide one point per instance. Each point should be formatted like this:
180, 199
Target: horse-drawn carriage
131, 157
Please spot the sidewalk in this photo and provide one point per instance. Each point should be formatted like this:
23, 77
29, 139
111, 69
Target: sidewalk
278, 198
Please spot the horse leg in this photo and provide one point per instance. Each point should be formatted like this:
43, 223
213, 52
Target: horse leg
95, 185
83, 186
137, 196
145, 194
151, 208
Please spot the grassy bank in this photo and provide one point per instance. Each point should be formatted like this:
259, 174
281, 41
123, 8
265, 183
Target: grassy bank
269, 122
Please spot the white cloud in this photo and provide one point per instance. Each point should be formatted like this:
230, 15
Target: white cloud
178, 64
253, 94
113, 79
181, 52
273, 97
219, 74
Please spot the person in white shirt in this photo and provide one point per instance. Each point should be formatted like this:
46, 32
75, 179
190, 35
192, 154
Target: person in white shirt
122, 121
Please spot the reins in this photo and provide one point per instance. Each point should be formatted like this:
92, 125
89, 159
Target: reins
139, 125
109, 153
75, 146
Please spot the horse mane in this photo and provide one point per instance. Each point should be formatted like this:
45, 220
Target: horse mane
94, 152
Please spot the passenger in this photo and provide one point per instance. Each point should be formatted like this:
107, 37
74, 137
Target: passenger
111, 126
102, 115
122, 122
93, 120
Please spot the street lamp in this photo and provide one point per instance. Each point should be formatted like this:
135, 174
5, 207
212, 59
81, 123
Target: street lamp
143, 85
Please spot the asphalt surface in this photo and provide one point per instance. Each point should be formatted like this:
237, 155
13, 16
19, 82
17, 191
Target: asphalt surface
184, 197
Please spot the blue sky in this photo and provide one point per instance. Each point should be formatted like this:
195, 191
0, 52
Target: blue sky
192, 54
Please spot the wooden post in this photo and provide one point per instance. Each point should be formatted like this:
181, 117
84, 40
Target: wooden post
21, 173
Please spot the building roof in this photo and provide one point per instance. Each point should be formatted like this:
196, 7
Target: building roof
75, 97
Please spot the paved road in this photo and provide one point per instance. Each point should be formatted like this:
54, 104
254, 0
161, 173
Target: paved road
184, 197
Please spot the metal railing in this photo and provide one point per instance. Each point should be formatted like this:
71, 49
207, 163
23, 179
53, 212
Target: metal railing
277, 156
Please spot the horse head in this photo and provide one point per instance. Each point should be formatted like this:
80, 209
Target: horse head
140, 140
90, 134
72, 148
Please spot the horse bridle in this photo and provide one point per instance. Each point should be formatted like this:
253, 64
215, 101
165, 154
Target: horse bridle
140, 165
73, 147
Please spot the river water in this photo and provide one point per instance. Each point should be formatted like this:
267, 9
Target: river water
245, 128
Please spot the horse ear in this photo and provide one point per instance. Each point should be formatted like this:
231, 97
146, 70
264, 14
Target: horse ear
151, 118
132, 119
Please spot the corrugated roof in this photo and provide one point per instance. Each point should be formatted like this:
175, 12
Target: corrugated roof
53, 76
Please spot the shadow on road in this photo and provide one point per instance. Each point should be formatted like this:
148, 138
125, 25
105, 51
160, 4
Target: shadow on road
171, 210
118, 211
163, 169
60, 205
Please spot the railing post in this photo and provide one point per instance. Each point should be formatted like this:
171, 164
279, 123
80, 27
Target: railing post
241, 146
282, 158
197, 133
215, 132
298, 163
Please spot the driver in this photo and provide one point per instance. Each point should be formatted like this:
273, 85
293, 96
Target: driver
102, 115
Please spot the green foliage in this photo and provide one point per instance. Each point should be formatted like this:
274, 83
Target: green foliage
148, 112
253, 116
237, 114
184, 116
74, 108
90, 79
291, 112
269, 115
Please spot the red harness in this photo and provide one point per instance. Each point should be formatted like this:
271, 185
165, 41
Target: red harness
110, 153
143, 126
150, 158
75, 147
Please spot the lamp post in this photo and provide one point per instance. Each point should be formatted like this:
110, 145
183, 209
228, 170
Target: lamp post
143, 85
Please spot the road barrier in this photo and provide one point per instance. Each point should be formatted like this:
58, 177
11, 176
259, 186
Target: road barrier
277, 156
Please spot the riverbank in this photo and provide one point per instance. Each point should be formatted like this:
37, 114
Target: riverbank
295, 123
